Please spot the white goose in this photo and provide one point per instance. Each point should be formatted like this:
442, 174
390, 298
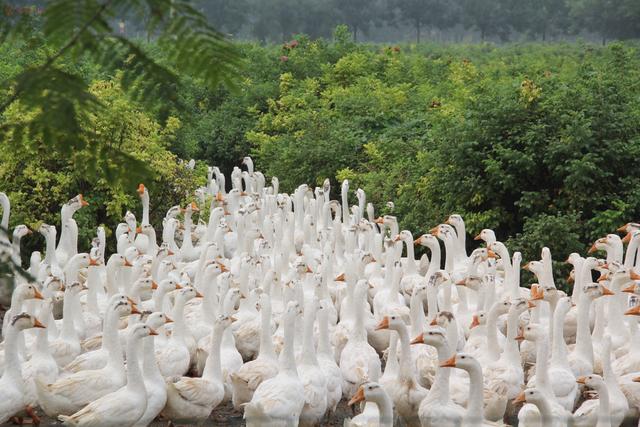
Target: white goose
279, 400
125, 406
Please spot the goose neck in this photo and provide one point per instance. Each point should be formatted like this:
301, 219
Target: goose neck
135, 382
416, 312
213, 367
406, 367
287, 357
584, 345
266, 342
474, 413
12, 367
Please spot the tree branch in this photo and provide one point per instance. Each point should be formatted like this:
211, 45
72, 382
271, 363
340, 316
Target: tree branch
72, 41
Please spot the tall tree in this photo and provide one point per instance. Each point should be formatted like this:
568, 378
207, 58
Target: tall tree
489, 17
226, 15
608, 18
426, 13
360, 14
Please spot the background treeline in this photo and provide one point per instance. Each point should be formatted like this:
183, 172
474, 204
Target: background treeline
412, 20
423, 20
538, 141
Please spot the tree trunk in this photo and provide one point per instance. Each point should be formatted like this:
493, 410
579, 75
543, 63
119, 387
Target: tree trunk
417, 31
355, 33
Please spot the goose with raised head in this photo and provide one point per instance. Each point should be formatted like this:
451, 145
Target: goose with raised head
279, 400
326, 357
312, 376
12, 390
474, 416
405, 391
125, 406
265, 366
382, 416
68, 244
193, 399
562, 378
66, 347
119, 306
154, 382
437, 408
547, 417
173, 355
591, 412
71, 393
358, 360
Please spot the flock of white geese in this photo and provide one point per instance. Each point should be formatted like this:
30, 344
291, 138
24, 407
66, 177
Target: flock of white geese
284, 304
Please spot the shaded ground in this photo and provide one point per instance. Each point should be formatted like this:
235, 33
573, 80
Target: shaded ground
227, 416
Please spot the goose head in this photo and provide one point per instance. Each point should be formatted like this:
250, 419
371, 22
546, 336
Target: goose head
434, 336
592, 381
461, 361
20, 231
530, 395
24, 321
27, 291
443, 319
428, 241
155, 319
371, 392
533, 332
487, 235
141, 330
596, 290
391, 322
478, 319
455, 220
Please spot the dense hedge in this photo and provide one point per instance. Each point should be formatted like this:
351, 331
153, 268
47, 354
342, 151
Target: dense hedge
537, 141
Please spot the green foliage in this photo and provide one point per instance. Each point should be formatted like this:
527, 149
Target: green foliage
38, 180
54, 101
535, 142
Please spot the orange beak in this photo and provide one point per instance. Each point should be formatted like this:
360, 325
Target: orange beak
219, 197
531, 304
520, 336
537, 294
603, 277
154, 285
581, 380
340, 278
434, 322
384, 323
418, 340
93, 261
134, 309
475, 321
152, 332
37, 294
358, 397
634, 276
491, 254
83, 202
630, 289
178, 286
623, 228
477, 237
626, 238
519, 398
636, 380
194, 207
449, 363
633, 311
127, 263
434, 231
130, 301
170, 252
309, 269
607, 291
379, 220
417, 241
167, 319
38, 324
199, 295
570, 278
138, 230
526, 266
461, 282
225, 269
141, 189
592, 249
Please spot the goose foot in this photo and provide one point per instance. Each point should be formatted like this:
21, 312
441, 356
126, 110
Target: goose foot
35, 419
